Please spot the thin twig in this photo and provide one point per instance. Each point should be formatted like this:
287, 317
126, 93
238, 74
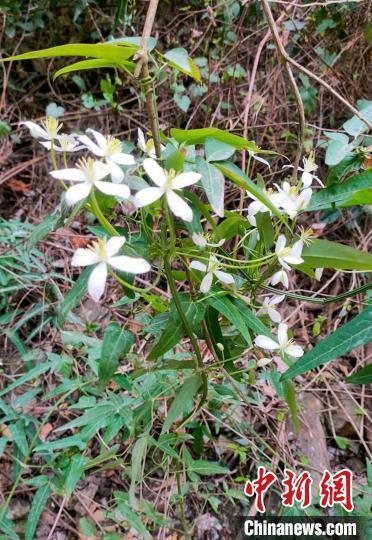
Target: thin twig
149, 22
319, 80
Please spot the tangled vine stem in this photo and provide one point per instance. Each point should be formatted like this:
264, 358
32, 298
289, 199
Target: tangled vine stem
300, 106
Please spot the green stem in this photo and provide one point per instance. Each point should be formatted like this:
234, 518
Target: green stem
99, 215
180, 502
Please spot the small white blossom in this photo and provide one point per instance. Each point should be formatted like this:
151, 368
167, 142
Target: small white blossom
48, 130
211, 270
110, 149
284, 345
88, 175
63, 143
288, 255
148, 147
258, 206
309, 167
318, 273
268, 307
167, 182
202, 242
103, 254
280, 276
291, 200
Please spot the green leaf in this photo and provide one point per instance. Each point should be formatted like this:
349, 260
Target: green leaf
182, 399
38, 504
116, 343
356, 190
237, 176
199, 136
265, 229
362, 376
355, 126
115, 53
353, 334
125, 513
226, 307
338, 148
136, 41
207, 468
290, 398
174, 330
74, 473
179, 59
93, 64
75, 294
138, 456
61, 444
42, 230
232, 226
326, 254
216, 150
250, 319
213, 183
32, 374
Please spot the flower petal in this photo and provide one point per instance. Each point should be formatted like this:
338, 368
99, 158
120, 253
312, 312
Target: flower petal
141, 140
114, 244
280, 243
84, 257
117, 175
266, 343
283, 334
185, 179
197, 265
274, 315
147, 196
132, 265
100, 169
88, 143
294, 350
101, 139
155, 172
117, 190
262, 160
97, 281
276, 299
36, 131
73, 175
178, 206
290, 259
224, 277
123, 159
206, 282
77, 193
306, 179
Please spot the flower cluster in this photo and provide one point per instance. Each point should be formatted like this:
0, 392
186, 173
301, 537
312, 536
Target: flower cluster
106, 170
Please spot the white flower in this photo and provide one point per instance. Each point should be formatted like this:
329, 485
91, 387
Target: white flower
284, 345
318, 273
258, 206
110, 149
202, 242
167, 182
288, 255
309, 167
67, 143
280, 276
291, 200
148, 147
211, 270
88, 174
268, 307
48, 130
103, 254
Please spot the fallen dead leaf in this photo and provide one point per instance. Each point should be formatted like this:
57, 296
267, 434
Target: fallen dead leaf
45, 430
18, 186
